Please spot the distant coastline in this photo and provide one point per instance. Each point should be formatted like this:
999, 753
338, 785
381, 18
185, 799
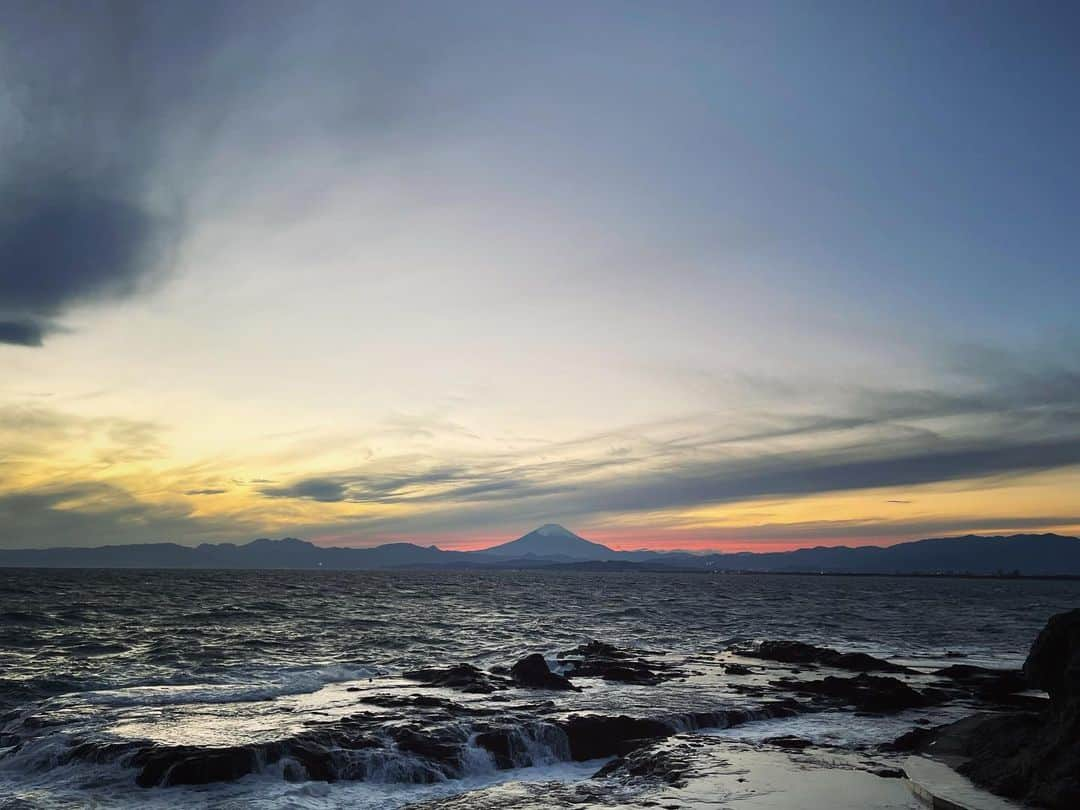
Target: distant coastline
553, 547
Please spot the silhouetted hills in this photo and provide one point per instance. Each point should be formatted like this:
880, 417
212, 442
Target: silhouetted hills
555, 547
1031, 554
263, 553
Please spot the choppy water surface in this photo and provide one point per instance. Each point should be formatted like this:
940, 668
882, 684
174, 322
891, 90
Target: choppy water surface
230, 657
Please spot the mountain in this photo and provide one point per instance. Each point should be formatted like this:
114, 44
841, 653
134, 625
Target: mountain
1030, 554
262, 553
555, 547
553, 542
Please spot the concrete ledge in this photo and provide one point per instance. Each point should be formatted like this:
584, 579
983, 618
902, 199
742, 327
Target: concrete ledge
940, 787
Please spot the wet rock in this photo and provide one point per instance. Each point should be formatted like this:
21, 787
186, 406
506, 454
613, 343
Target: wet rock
98, 752
1037, 758
465, 677
796, 652
441, 705
594, 736
889, 773
867, 693
637, 672
533, 672
515, 746
594, 649
1053, 663
984, 683
316, 762
192, 765
323, 752
444, 752
1033, 757
599, 660
667, 765
728, 718
789, 742
497, 743
918, 739
737, 669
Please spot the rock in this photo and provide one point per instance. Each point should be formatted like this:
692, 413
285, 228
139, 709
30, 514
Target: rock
987, 684
915, 740
789, 742
667, 765
445, 753
497, 743
312, 754
192, 765
593, 736
599, 660
594, 649
1053, 664
532, 671
728, 718
517, 745
867, 693
465, 677
889, 773
737, 669
1032, 757
796, 652
316, 759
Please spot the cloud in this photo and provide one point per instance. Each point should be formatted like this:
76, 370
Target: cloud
810, 472
46, 434
118, 118
21, 333
874, 439
63, 246
314, 489
83, 218
866, 441
485, 480
90, 513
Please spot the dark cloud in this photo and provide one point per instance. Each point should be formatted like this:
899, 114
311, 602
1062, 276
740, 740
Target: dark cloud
206, 492
111, 111
449, 483
443, 482
24, 333
63, 246
807, 473
313, 489
84, 214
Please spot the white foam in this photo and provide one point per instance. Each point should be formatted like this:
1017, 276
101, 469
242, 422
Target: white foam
269, 685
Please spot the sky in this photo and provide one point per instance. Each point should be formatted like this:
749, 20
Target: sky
744, 276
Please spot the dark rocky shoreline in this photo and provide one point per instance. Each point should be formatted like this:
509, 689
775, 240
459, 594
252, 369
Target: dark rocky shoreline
1034, 755
431, 724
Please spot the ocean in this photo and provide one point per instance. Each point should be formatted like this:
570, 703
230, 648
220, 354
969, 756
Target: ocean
103, 672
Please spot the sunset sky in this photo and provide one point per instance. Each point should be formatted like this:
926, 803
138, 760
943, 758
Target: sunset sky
672, 274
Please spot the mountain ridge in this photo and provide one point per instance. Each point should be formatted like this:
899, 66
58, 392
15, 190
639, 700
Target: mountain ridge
552, 546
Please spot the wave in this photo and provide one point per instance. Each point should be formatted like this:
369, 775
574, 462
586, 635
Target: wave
367, 748
241, 687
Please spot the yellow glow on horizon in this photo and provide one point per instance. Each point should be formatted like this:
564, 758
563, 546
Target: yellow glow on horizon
993, 503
